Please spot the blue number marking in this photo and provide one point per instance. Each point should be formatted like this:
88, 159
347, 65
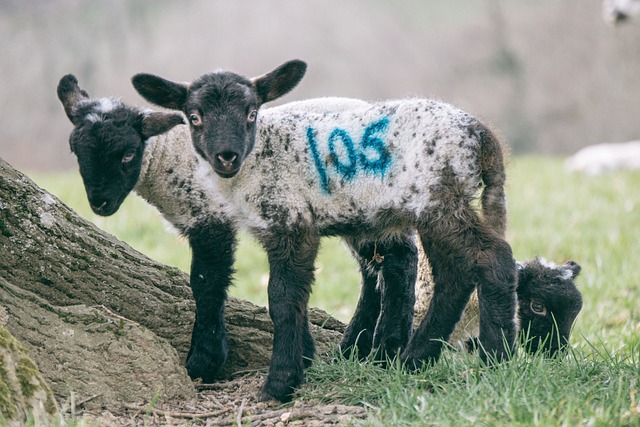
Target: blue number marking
371, 141
313, 145
373, 155
348, 171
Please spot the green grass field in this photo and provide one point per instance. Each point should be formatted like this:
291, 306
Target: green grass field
592, 220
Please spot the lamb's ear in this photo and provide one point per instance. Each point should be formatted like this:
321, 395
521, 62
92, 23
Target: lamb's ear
162, 92
571, 269
279, 81
156, 123
69, 93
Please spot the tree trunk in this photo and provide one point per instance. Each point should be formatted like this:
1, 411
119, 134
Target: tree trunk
100, 318
24, 393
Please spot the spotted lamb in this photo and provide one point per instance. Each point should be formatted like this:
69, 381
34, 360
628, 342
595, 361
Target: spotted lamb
371, 172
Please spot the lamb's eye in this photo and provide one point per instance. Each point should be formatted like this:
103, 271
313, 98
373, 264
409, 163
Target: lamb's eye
253, 114
195, 119
128, 157
538, 308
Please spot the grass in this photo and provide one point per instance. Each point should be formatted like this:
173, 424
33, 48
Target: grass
592, 220
591, 387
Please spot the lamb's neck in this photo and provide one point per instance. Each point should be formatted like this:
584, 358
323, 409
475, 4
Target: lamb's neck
167, 178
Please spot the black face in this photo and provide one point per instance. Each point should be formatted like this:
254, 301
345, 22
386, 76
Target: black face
222, 110
549, 303
109, 152
108, 139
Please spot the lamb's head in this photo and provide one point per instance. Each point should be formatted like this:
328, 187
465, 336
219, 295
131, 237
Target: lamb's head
222, 109
108, 140
548, 303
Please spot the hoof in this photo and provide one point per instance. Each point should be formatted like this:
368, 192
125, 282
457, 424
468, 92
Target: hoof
280, 386
266, 395
208, 369
358, 346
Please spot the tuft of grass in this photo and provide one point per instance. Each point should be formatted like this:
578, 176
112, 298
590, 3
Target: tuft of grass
579, 388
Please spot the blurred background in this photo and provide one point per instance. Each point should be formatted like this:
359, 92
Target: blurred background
550, 75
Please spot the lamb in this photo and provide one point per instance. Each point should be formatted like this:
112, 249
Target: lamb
368, 173
548, 304
548, 300
120, 148
606, 157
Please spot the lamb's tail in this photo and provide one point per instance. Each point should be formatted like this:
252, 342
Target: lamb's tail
494, 201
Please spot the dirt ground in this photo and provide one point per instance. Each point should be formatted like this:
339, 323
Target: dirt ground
229, 403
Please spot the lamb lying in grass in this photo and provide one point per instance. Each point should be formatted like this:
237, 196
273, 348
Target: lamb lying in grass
373, 172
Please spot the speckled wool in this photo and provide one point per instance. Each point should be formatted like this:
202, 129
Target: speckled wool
333, 162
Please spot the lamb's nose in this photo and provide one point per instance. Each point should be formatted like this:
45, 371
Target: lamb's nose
98, 208
227, 158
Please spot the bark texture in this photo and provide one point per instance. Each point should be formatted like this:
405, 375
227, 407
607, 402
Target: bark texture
100, 318
24, 393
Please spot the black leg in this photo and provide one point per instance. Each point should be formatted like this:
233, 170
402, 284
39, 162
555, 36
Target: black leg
399, 271
384, 314
308, 343
212, 248
359, 333
471, 255
497, 300
453, 286
291, 264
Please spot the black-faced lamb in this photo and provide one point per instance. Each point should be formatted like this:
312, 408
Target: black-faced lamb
121, 148
373, 172
548, 304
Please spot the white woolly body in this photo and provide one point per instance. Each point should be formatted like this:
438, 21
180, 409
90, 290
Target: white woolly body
174, 180
281, 182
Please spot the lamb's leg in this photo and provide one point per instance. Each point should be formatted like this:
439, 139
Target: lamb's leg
452, 289
359, 333
464, 254
291, 265
212, 248
497, 300
399, 271
389, 270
